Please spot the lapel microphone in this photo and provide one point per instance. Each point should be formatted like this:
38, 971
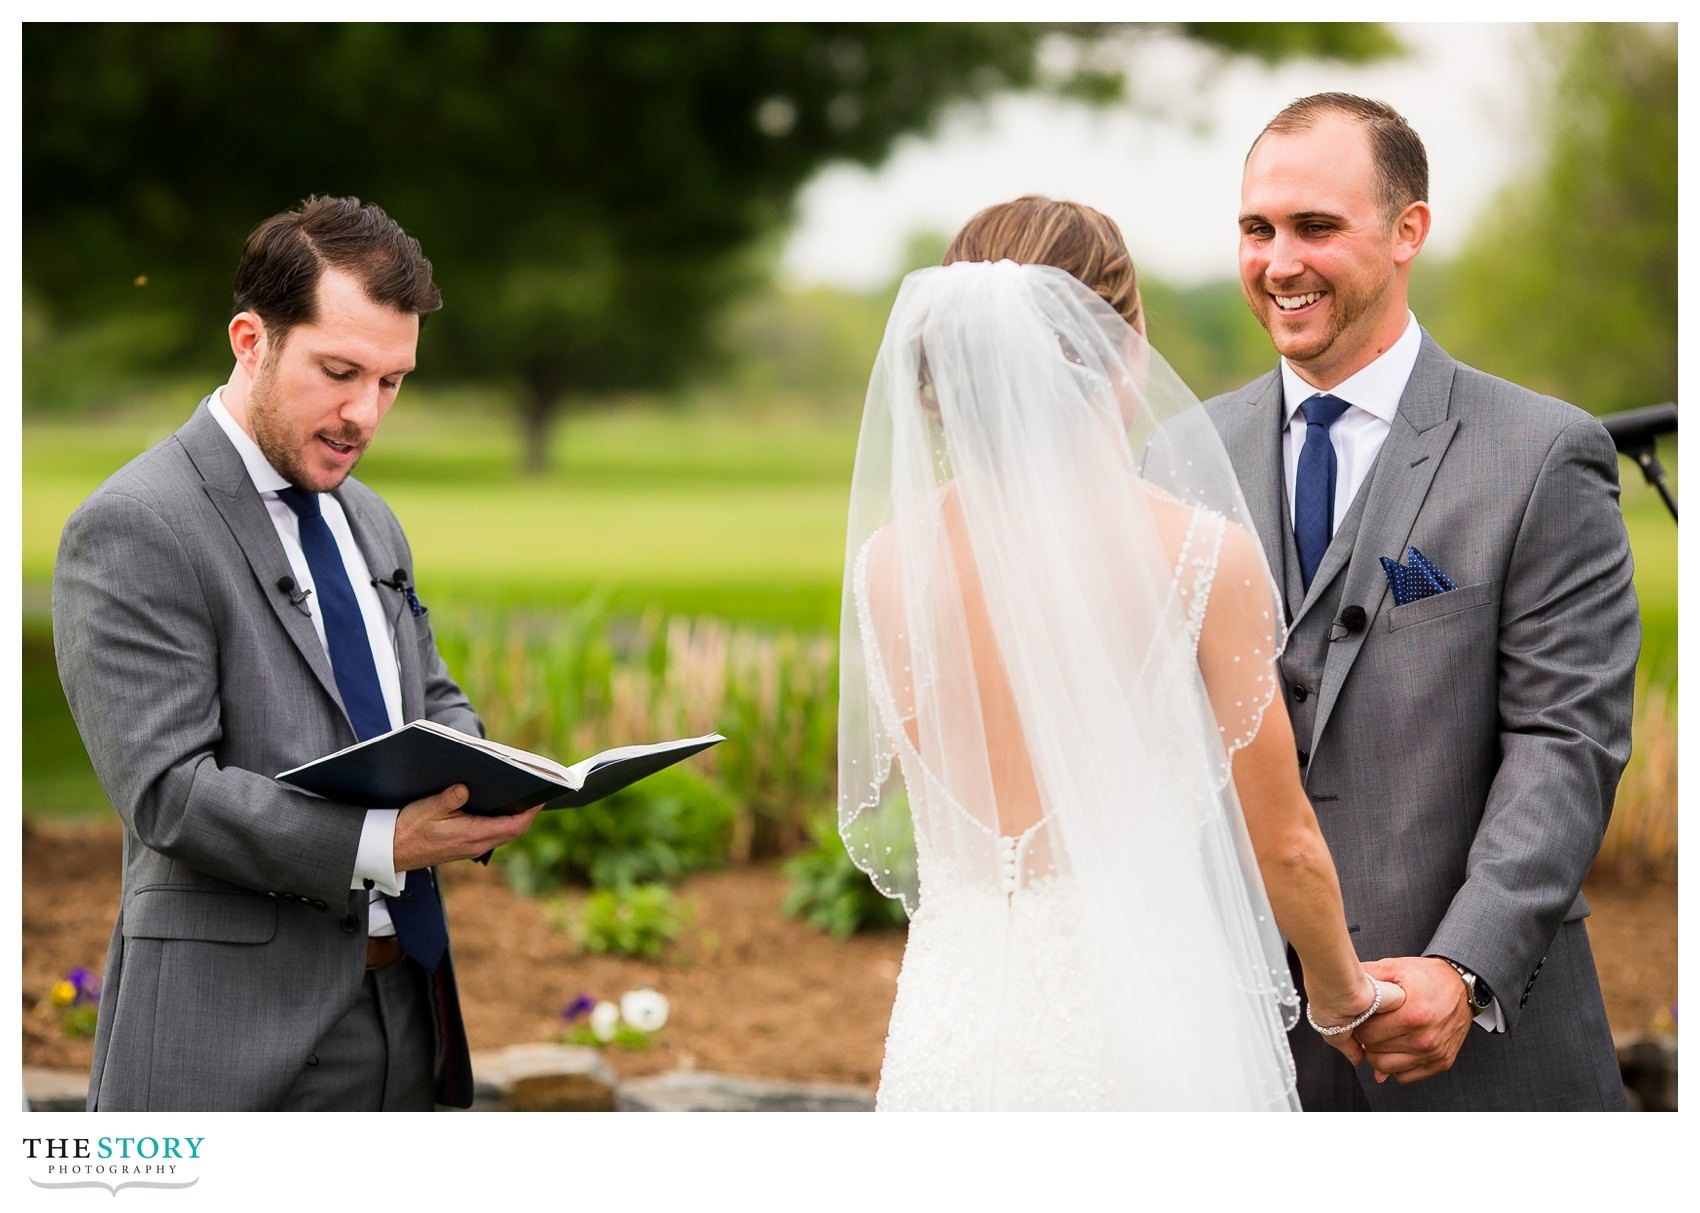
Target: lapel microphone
1353, 618
399, 583
297, 596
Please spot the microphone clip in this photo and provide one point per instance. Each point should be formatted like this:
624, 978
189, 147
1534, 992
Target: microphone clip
398, 582
297, 595
1349, 622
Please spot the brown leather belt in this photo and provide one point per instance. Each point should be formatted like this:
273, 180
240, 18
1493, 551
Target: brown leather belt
382, 951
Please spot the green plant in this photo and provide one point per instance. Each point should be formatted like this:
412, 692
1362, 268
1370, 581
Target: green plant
638, 920
573, 682
829, 891
674, 822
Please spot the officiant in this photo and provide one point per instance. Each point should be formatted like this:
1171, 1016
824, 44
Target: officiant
233, 603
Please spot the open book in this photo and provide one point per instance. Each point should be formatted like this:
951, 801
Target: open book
422, 758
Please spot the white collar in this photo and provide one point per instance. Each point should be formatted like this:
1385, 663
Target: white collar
1375, 389
265, 477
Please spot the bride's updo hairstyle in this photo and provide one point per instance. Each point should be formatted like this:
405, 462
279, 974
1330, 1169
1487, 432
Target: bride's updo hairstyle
1042, 231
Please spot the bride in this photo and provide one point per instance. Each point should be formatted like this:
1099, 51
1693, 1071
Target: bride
1056, 699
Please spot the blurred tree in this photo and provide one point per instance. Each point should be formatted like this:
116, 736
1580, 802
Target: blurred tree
1568, 283
591, 195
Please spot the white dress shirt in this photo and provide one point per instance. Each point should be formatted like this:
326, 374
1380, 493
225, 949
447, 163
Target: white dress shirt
1357, 436
374, 859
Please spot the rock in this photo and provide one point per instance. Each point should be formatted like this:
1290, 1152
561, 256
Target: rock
56, 1090
1648, 1064
695, 1091
542, 1078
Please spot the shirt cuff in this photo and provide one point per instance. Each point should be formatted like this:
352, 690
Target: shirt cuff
1491, 1019
374, 860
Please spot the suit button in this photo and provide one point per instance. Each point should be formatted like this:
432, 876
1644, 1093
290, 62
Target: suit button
1304, 757
350, 924
319, 905
1299, 693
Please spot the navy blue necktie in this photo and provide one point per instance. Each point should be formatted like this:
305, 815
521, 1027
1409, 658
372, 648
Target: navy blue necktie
417, 914
1313, 493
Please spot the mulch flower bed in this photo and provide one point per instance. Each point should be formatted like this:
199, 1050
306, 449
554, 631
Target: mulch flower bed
749, 992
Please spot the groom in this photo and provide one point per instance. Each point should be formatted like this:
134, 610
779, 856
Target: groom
1461, 661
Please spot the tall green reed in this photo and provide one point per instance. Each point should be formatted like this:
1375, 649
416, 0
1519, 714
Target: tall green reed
1640, 842
573, 682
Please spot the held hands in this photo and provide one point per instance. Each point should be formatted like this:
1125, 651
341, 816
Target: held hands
434, 830
1330, 1011
1421, 1038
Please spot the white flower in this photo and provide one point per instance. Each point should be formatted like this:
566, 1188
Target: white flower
645, 1010
604, 1018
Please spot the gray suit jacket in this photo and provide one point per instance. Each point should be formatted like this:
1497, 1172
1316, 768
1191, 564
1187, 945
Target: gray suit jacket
1463, 751
193, 680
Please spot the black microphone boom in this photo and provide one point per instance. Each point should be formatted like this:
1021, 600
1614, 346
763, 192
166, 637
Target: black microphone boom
1632, 427
1636, 433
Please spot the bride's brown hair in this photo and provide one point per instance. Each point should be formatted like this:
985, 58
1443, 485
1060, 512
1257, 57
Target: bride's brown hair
1034, 230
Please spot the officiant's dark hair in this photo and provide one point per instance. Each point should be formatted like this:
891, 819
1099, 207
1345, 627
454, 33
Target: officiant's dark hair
1034, 230
1401, 161
278, 276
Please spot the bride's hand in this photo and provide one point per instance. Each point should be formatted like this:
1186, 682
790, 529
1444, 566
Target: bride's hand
1330, 1011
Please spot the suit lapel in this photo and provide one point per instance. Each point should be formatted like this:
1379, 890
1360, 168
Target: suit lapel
1252, 437
383, 562
232, 494
1404, 470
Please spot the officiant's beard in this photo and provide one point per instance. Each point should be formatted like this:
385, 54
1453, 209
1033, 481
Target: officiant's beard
286, 439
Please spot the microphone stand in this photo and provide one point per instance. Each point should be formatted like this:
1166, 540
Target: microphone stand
1636, 433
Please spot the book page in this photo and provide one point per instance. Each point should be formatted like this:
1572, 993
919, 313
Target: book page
547, 767
577, 773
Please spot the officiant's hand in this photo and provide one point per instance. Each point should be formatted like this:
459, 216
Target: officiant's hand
1422, 1038
434, 830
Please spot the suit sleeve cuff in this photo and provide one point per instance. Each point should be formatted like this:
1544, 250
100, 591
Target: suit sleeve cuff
374, 860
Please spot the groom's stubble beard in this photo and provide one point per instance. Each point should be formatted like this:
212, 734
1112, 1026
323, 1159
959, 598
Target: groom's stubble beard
1351, 307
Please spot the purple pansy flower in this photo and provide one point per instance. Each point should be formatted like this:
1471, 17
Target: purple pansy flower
577, 1007
85, 982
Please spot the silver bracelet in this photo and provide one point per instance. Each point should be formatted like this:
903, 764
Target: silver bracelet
1356, 1023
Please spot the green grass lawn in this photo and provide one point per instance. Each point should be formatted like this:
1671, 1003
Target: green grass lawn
685, 512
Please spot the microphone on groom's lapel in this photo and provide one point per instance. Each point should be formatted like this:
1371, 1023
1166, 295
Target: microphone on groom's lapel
1348, 622
297, 596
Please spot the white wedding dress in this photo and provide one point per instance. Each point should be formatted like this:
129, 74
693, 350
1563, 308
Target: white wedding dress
996, 1006
1034, 748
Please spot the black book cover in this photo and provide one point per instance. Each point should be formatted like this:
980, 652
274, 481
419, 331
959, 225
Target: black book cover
420, 760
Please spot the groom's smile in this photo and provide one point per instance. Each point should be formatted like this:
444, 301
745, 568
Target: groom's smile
1297, 303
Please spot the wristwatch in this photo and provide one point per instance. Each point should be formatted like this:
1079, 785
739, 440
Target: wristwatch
1475, 989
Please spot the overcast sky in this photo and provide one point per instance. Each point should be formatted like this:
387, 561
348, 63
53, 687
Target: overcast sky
1173, 188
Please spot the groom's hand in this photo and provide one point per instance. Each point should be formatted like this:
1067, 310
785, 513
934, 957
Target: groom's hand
1421, 1038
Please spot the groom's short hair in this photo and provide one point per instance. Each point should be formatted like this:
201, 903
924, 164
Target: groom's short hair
278, 275
1401, 161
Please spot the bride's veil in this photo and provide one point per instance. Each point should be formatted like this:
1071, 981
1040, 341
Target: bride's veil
1043, 525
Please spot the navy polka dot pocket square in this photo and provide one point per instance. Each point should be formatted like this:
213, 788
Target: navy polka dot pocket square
1416, 579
